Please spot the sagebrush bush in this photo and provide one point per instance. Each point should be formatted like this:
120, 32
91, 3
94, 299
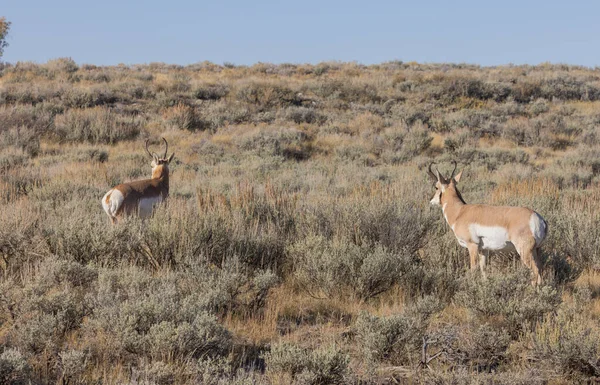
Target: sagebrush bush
566, 343
479, 348
509, 296
14, 368
203, 337
468, 377
304, 115
396, 338
169, 323
73, 364
265, 94
289, 143
183, 117
210, 91
336, 267
62, 64
298, 223
325, 365
97, 125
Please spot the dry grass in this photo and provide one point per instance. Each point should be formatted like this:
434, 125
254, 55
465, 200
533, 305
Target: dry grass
292, 189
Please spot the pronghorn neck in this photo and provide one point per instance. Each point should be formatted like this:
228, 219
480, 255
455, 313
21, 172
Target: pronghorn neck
452, 203
161, 173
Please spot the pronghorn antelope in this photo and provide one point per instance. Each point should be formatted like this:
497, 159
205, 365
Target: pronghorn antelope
140, 196
484, 227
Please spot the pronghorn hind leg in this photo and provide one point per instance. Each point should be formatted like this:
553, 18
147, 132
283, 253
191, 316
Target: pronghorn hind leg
536, 266
528, 255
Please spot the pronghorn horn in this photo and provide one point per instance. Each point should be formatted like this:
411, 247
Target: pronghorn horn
166, 148
433, 175
453, 171
148, 151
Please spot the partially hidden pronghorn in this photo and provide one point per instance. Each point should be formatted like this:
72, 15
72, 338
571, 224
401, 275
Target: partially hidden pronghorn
484, 227
139, 197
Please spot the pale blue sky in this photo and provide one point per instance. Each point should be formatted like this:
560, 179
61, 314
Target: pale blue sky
306, 31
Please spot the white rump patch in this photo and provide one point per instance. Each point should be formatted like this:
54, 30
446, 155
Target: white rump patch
538, 228
146, 206
489, 237
115, 200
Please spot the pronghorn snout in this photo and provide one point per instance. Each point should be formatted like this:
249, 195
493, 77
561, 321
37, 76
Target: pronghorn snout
436, 200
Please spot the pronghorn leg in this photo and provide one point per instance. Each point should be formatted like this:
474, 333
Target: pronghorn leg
483, 259
473, 254
528, 255
536, 266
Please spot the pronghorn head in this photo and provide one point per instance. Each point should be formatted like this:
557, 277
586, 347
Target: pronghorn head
160, 165
444, 186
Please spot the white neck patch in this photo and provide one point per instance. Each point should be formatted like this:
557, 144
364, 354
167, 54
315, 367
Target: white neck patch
444, 211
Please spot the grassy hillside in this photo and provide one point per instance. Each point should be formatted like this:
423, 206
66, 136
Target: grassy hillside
298, 244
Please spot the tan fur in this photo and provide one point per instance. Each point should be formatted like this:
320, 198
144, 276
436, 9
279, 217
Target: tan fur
158, 185
134, 192
514, 220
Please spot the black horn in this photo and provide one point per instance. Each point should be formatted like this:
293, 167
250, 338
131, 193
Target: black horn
453, 171
166, 148
148, 151
435, 175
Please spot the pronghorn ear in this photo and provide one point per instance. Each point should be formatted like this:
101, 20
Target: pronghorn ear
457, 177
171, 158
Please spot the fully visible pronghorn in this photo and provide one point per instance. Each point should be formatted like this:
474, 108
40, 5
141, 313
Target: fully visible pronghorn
139, 197
484, 227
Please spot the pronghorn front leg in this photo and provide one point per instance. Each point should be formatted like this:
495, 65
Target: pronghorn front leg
483, 259
473, 254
